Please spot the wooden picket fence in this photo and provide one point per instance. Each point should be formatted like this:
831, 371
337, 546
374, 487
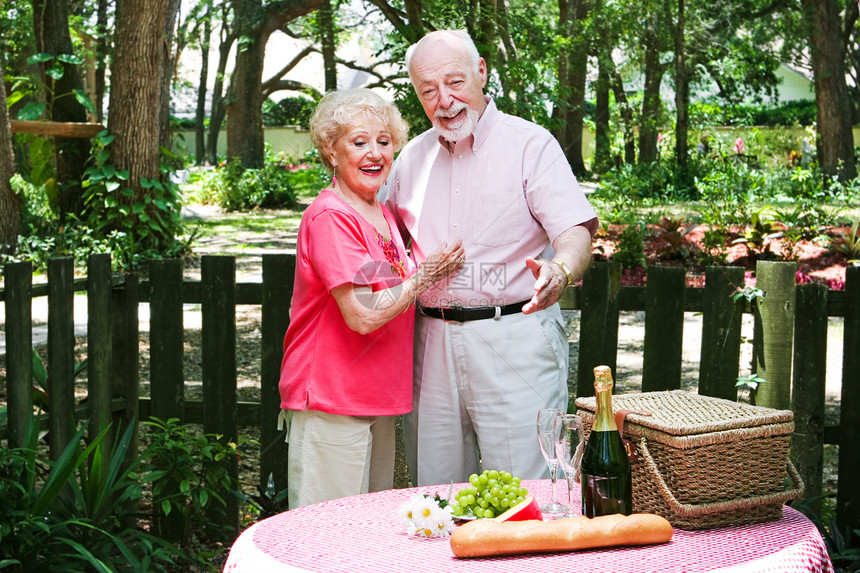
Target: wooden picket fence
790, 329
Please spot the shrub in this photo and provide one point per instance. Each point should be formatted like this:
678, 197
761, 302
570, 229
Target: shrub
802, 112
288, 111
189, 476
279, 183
630, 252
76, 513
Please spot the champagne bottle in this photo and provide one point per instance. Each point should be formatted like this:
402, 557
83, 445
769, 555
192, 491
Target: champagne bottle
607, 486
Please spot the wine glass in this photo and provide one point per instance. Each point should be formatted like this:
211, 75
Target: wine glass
546, 437
568, 450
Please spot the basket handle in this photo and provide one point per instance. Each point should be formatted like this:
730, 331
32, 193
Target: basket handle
686, 509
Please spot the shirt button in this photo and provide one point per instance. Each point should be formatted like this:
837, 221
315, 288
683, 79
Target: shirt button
457, 190
456, 223
460, 156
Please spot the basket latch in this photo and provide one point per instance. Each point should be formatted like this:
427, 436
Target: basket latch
629, 446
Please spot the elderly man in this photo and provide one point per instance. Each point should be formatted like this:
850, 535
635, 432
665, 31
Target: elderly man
491, 347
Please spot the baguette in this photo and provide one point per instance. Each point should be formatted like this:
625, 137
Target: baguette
485, 537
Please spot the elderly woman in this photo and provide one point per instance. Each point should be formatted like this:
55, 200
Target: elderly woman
347, 367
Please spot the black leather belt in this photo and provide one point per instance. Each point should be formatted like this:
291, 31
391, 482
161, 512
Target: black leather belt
462, 314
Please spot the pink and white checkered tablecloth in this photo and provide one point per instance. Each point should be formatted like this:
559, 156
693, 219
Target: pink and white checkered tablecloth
362, 533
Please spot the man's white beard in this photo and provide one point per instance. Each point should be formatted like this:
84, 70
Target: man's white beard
466, 123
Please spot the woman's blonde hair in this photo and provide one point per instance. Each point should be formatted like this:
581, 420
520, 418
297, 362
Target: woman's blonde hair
344, 108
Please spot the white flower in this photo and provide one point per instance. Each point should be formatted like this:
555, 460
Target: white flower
409, 509
422, 516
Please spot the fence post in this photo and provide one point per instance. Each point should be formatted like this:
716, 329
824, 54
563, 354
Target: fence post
664, 328
19, 353
61, 352
218, 294
719, 358
848, 496
598, 338
125, 373
166, 377
278, 273
99, 345
810, 379
774, 333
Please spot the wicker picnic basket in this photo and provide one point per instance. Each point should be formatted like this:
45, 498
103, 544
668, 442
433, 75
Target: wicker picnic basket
705, 462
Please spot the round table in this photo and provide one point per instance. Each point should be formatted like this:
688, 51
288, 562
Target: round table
362, 533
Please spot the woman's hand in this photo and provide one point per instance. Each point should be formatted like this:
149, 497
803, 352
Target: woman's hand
441, 263
365, 310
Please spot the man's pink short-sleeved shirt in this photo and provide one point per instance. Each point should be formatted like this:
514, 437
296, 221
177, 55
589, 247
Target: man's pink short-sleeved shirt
327, 366
507, 190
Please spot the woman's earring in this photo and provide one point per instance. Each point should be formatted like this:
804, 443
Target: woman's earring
334, 178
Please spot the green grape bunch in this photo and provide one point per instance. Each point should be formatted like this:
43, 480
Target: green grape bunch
488, 495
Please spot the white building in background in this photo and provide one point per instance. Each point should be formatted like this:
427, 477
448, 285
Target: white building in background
795, 85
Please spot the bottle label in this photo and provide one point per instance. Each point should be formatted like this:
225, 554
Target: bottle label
606, 495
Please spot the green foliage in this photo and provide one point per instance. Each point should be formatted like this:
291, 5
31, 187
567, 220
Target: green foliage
279, 183
288, 111
758, 234
842, 546
38, 215
54, 70
751, 293
74, 513
40, 379
410, 108
188, 473
727, 191
137, 228
713, 251
630, 250
750, 384
782, 114
16, 30
639, 182
848, 244
267, 502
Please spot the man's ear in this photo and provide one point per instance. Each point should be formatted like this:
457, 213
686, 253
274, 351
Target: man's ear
482, 71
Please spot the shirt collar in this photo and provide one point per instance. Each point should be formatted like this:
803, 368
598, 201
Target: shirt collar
482, 130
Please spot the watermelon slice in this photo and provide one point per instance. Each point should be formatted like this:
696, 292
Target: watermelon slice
523, 511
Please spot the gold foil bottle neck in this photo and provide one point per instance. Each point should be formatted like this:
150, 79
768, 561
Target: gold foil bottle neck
602, 378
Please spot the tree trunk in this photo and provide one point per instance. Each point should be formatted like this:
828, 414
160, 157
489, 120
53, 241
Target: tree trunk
626, 117
254, 22
51, 31
200, 117
485, 32
244, 110
682, 98
10, 203
572, 78
835, 138
167, 69
648, 128
328, 42
219, 106
102, 51
135, 102
602, 144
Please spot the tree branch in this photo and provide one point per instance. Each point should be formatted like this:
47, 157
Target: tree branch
278, 13
271, 87
289, 66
